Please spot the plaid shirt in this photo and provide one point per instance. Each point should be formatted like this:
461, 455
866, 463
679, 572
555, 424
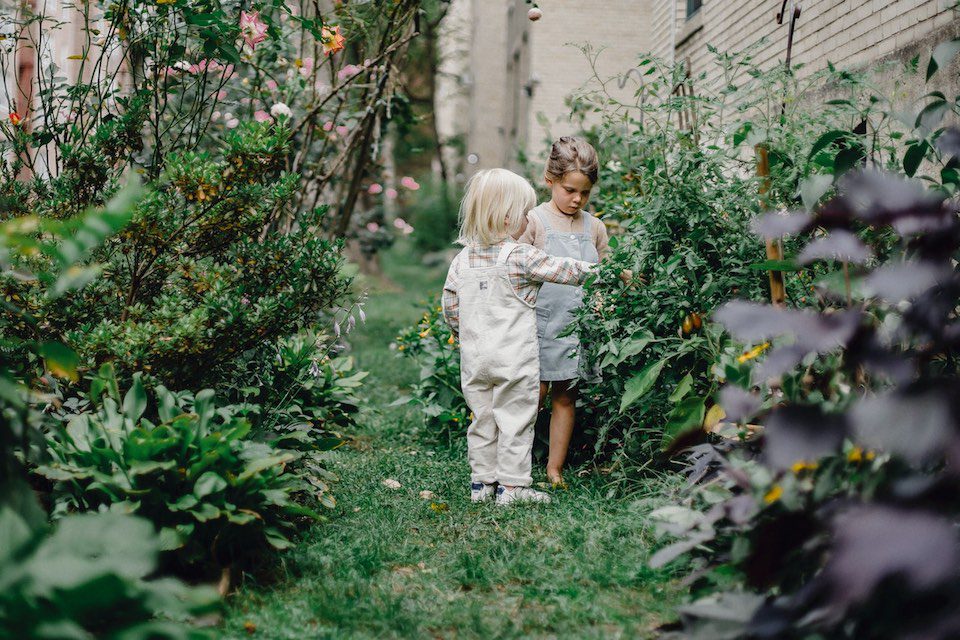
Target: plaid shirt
527, 267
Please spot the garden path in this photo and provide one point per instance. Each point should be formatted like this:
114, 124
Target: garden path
390, 563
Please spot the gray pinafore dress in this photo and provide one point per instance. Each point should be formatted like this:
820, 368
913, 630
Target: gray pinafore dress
559, 357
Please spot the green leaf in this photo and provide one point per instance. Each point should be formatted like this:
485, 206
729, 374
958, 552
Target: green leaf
60, 360
640, 384
135, 401
826, 140
682, 389
276, 539
813, 188
205, 513
942, 55
209, 482
688, 414
914, 156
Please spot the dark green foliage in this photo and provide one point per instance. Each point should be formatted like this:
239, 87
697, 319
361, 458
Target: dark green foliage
215, 496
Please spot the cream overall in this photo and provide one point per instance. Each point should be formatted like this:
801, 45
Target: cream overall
499, 372
556, 304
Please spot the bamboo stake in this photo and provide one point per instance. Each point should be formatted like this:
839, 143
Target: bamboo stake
778, 293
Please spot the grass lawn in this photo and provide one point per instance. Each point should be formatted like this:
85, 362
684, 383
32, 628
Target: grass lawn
390, 563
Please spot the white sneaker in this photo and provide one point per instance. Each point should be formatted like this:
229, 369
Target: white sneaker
480, 492
520, 494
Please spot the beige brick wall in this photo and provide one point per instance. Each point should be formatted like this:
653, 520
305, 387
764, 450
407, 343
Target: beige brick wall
621, 28
487, 85
849, 33
511, 55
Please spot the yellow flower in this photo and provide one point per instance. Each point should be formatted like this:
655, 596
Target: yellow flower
450, 340
400, 348
776, 491
471, 416
753, 353
425, 332
859, 455
802, 465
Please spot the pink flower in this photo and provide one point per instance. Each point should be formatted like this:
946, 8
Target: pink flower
373, 227
391, 194
262, 116
409, 183
328, 126
272, 85
253, 30
244, 300
375, 188
221, 95
407, 230
232, 123
343, 131
399, 223
348, 71
306, 67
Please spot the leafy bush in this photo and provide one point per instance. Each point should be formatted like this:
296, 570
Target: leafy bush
432, 346
187, 287
684, 178
847, 518
215, 496
302, 391
89, 577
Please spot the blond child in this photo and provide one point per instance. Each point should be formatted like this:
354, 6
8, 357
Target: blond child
561, 228
489, 300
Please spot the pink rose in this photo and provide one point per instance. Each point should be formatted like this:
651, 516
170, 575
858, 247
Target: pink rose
271, 84
391, 194
373, 227
327, 126
399, 223
375, 188
343, 131
262, 116
409, 183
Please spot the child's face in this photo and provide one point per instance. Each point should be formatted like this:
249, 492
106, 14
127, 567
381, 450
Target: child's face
571, 192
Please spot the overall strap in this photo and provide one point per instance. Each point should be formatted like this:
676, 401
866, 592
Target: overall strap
586, 222
543, 218
505, 251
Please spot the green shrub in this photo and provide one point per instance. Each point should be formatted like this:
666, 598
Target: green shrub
431, 345
90, 576
215, 496
87, 577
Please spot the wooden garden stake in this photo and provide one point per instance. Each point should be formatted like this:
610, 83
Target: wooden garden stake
778, 293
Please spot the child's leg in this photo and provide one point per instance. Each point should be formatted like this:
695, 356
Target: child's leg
515, 411
482, 433
544, 388
564, 399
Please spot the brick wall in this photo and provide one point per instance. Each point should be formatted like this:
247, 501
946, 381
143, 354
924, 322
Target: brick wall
849, 33
621, 28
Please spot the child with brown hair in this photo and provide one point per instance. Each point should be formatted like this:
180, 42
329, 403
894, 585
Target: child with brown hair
561, 228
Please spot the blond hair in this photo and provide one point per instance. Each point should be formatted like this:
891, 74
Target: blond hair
494, 206
572, 154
